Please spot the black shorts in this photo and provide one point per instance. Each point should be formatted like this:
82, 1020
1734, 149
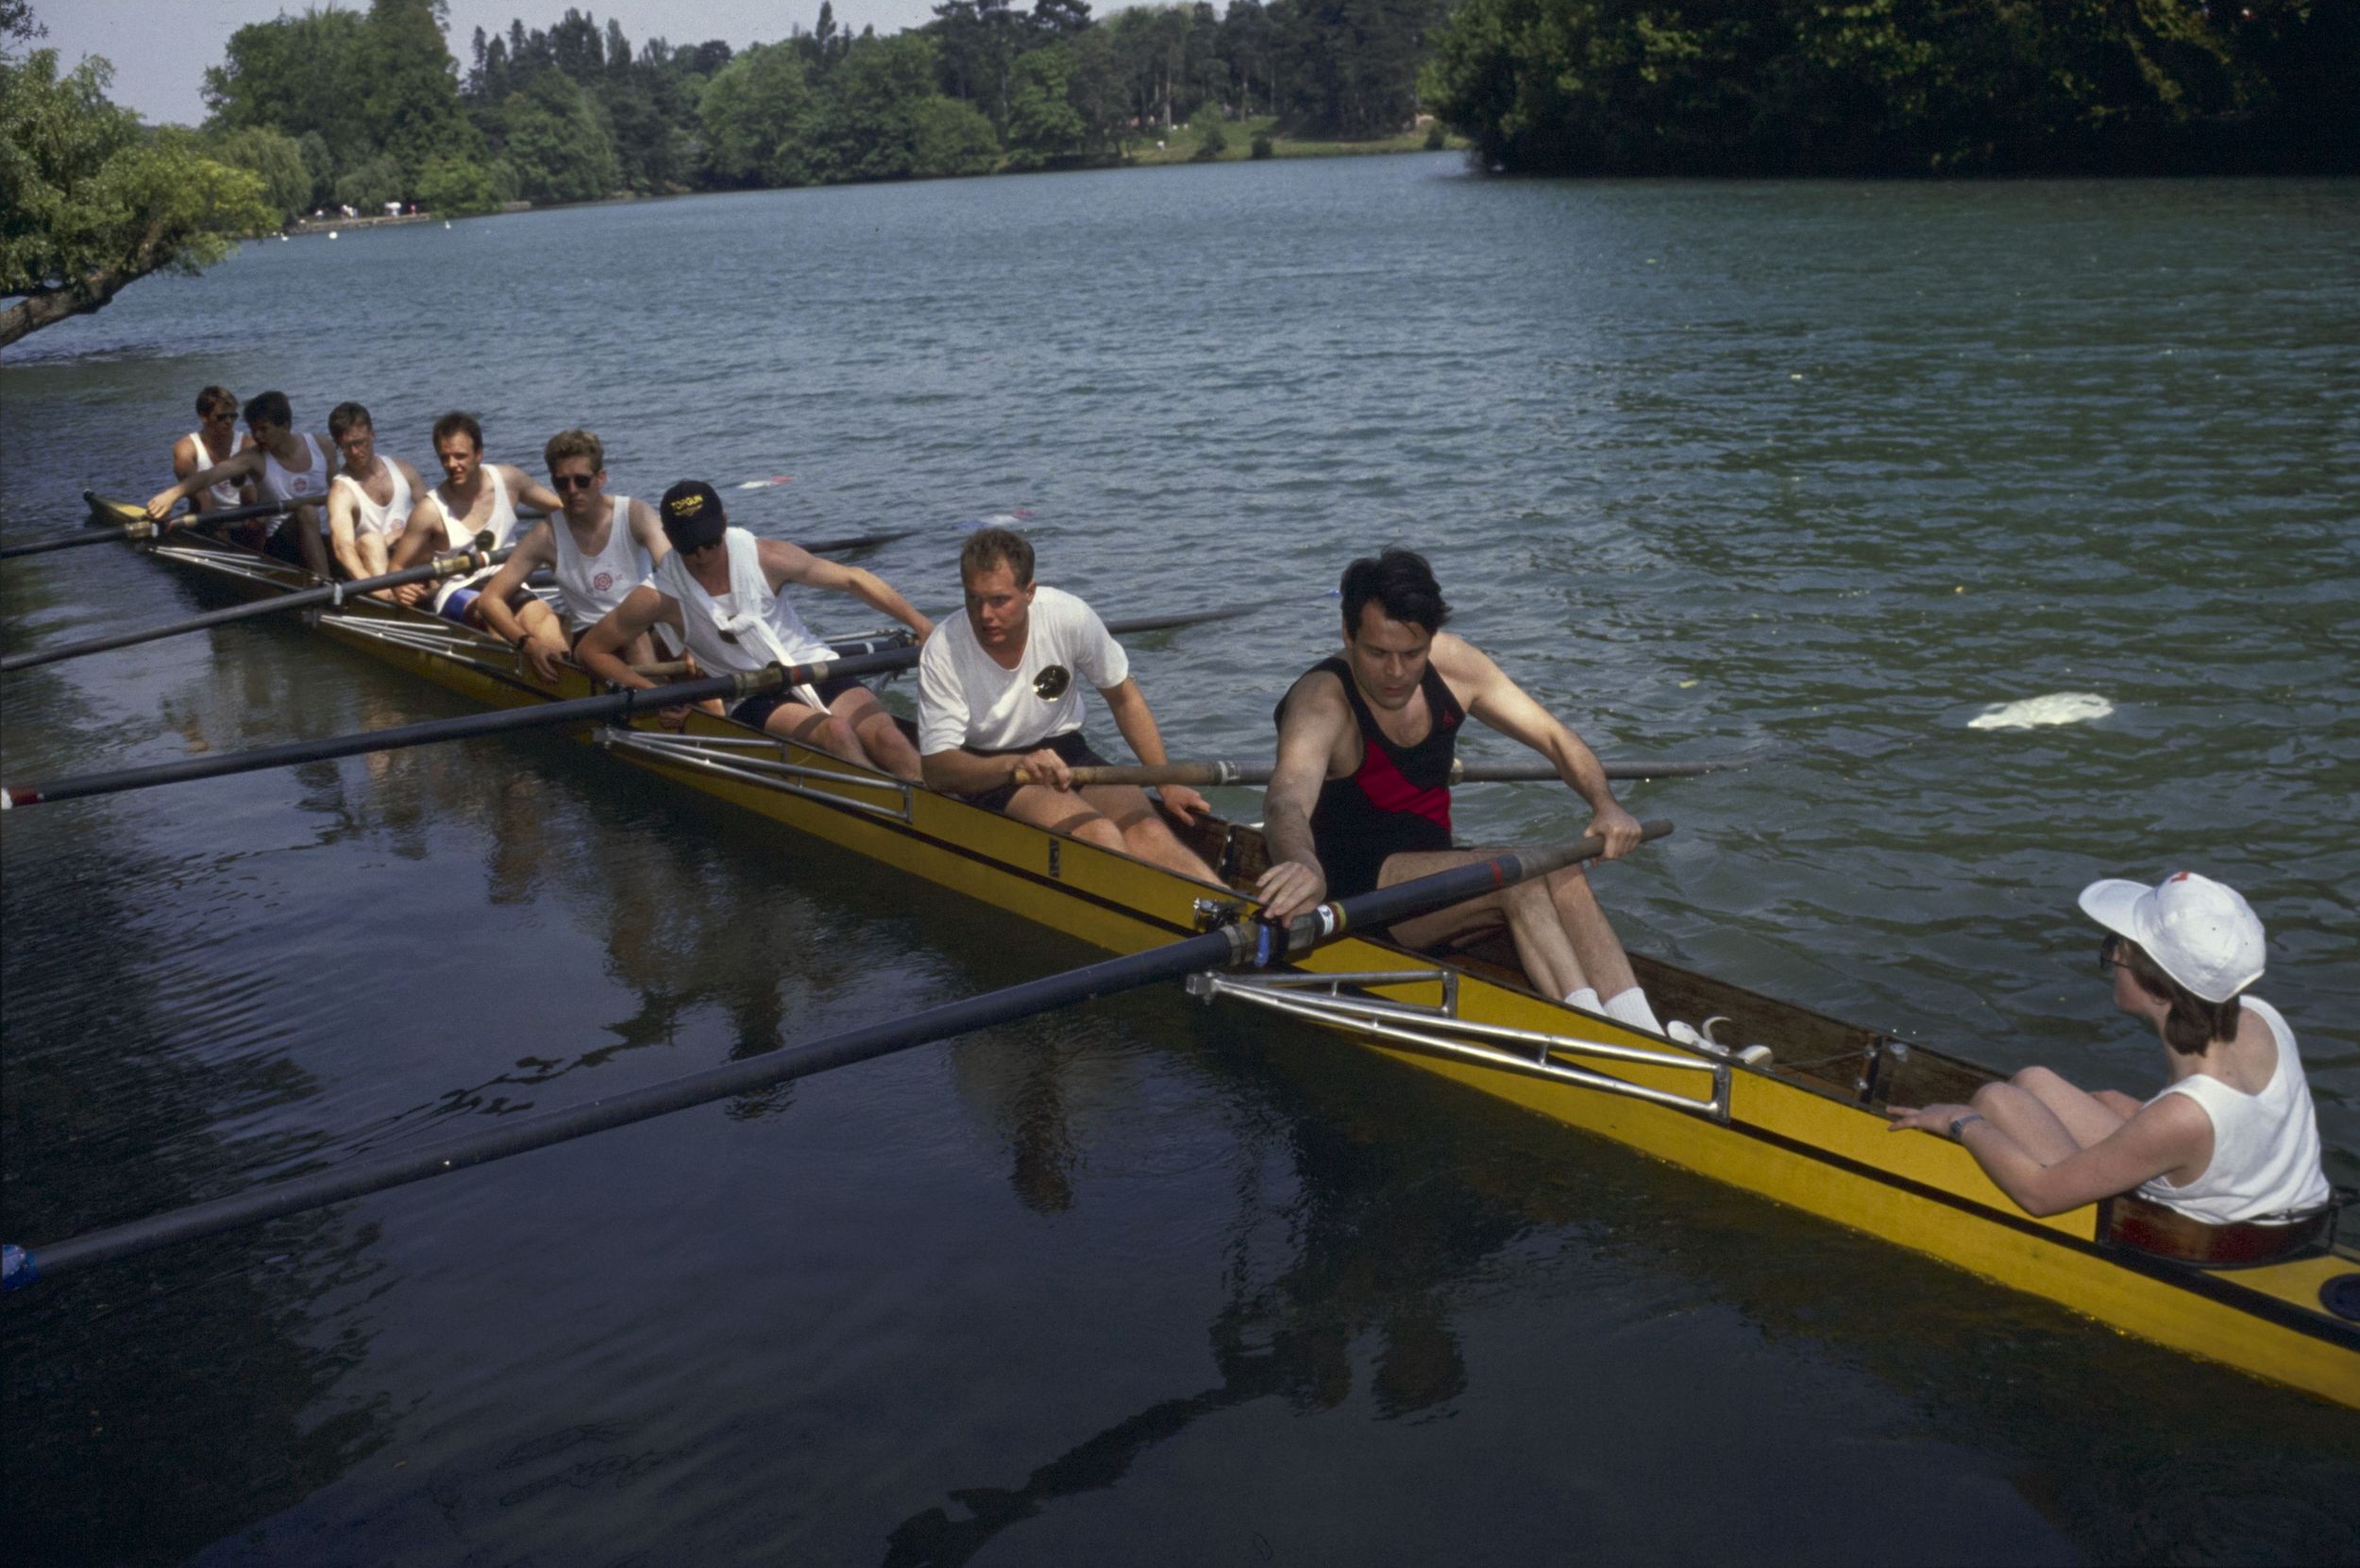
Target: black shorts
1071, 745
756, 711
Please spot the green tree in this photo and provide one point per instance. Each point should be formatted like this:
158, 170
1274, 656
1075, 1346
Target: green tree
454, 187
952, 138
1043, 124
404, 86
556, 144
91, 201
1211, 140
277, 158
367, 185
865, 120
757, 113
291, 75
320, 164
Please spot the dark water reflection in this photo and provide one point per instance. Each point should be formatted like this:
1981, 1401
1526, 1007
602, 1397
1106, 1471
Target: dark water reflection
1718, 467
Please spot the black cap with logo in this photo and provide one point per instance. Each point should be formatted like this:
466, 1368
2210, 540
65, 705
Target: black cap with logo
692, 515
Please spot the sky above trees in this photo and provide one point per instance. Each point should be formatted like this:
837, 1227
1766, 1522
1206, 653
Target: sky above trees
160, 48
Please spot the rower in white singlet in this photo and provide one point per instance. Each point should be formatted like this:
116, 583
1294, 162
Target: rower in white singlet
368, 499
723, 592
214, 441
289, 467
599, 548
475, 498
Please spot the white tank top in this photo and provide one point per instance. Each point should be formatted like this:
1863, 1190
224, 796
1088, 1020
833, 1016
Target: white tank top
745, 629
594, 584
2266, 1146
503, 521
226, 493
285, 484
502, 527
389, 519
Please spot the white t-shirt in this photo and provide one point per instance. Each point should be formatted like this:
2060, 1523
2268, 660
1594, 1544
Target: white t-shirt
966, 699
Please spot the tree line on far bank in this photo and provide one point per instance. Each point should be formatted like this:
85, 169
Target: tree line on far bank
1902, 87
336, 108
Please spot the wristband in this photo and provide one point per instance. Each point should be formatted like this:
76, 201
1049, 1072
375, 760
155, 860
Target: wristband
1960, 1125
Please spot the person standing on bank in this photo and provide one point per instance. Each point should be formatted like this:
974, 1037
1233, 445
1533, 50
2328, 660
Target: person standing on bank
2233, 1138
999, 690
1360, 795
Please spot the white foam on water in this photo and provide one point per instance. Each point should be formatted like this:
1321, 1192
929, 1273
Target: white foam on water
2058, 707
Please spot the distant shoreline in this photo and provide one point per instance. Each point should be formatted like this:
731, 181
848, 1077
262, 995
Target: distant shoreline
1177, 148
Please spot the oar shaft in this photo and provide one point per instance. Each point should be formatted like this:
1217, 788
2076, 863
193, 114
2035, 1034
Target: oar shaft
1245, 942
120, 529
441, 566
548, 715
1203, 775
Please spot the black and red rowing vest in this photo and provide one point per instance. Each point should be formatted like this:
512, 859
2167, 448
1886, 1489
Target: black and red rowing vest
1397, 803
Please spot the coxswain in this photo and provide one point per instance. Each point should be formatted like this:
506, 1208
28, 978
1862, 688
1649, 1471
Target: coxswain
370, 499
286, 467
215, 440
2232, 1138
1360, 797
722, 593
1000, 692
475, 497
599, 548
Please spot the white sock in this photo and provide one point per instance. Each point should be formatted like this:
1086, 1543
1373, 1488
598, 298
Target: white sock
1585, 998
1631, 1008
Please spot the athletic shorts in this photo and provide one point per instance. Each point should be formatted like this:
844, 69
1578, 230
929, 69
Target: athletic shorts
1071, 745
756, 711
454, 605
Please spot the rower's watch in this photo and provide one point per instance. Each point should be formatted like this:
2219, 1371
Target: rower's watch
1958, 1125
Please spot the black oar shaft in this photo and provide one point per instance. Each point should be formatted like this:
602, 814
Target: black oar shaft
1247, 942
1209, 774
120, 529
335, 593
545, 715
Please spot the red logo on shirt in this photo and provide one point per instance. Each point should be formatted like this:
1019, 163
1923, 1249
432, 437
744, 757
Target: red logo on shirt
603, 581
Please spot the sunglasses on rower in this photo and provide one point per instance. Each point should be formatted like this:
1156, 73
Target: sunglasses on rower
566, 484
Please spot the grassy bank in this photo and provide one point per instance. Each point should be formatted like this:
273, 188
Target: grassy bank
1185, 143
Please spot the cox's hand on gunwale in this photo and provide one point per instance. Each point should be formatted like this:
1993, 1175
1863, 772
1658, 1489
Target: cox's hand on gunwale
1620, 830
1931, 1119
1288, 888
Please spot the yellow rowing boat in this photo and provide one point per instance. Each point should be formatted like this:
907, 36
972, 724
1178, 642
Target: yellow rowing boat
1802, 1124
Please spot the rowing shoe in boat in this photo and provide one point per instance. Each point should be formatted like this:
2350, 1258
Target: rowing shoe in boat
1803, 1123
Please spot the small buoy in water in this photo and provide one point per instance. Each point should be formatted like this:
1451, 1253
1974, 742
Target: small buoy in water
2058, 707
445, 223
333, 235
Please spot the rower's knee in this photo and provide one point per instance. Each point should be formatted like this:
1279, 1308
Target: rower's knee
1094, 829
2032, 1080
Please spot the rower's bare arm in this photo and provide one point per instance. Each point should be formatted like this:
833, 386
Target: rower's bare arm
1312, 723
1136, 721
530, 493
600, 650
343, 515
788, 562
1507, 707
648, 529
2168, 1135
243, 465
534, 551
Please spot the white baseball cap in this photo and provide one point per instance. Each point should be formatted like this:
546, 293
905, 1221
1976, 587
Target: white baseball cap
2201, 933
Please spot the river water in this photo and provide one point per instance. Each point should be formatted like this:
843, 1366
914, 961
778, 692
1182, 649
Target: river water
1818, 470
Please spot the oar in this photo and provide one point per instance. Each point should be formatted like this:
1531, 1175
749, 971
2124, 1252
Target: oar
1245, 942
441, 566
131, 525
580, 710
1204, 774
333, 594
